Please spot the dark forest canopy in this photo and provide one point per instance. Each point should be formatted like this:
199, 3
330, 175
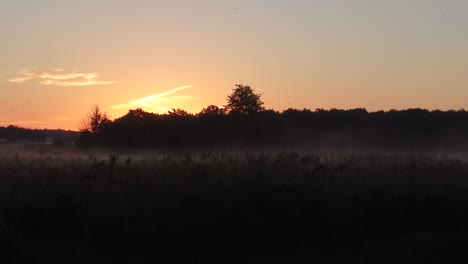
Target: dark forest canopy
245, 122
416, 129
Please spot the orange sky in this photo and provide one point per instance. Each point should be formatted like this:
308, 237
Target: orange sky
61, 57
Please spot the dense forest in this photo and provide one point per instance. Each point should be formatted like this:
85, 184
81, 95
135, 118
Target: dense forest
245, 122
342, 129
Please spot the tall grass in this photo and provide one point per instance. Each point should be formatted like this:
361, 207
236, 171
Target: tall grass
204, 203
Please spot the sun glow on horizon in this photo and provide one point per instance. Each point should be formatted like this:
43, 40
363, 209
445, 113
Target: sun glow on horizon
158, 102
378, 55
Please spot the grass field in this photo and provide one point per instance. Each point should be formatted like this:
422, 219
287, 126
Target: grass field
274, 206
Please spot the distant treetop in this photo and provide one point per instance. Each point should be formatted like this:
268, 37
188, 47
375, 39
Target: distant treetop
212, 110
243, 100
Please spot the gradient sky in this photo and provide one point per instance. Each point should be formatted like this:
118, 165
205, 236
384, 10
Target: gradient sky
59, 57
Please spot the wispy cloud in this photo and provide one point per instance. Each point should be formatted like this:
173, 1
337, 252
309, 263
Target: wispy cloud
156, 101
63, 118
58, 77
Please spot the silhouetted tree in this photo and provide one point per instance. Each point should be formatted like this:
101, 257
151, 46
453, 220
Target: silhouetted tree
95, 121
212, 110
136, 113
243, 100
178, 112
249, 124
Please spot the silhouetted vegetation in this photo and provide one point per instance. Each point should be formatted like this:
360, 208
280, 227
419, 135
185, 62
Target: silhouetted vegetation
332, 206
244, 101
412, 129
95, 121
245, 122
18, 135
224, 183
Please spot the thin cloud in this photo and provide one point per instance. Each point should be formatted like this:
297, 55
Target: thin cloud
154, 101
20, 79
57, 77
64, 118
75, 83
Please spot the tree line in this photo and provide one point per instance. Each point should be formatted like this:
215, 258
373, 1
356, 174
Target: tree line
14, 134
244, 121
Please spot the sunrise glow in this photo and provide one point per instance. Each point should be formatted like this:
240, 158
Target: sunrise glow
156, 102
61, 57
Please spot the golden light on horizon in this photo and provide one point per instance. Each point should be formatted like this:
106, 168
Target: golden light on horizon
160, 102
298, 54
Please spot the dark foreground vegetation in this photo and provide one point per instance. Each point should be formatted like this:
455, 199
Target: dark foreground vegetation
232, 206
359, 187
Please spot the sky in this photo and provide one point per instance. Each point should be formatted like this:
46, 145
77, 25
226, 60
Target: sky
60, 57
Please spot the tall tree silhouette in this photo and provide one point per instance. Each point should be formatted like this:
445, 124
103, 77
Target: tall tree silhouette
95, 121
243, 100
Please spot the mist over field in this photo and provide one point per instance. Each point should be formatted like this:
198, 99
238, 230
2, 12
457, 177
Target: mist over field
246, 131
238, 183
231, 204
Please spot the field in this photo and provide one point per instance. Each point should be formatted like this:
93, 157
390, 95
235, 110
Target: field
331, 207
